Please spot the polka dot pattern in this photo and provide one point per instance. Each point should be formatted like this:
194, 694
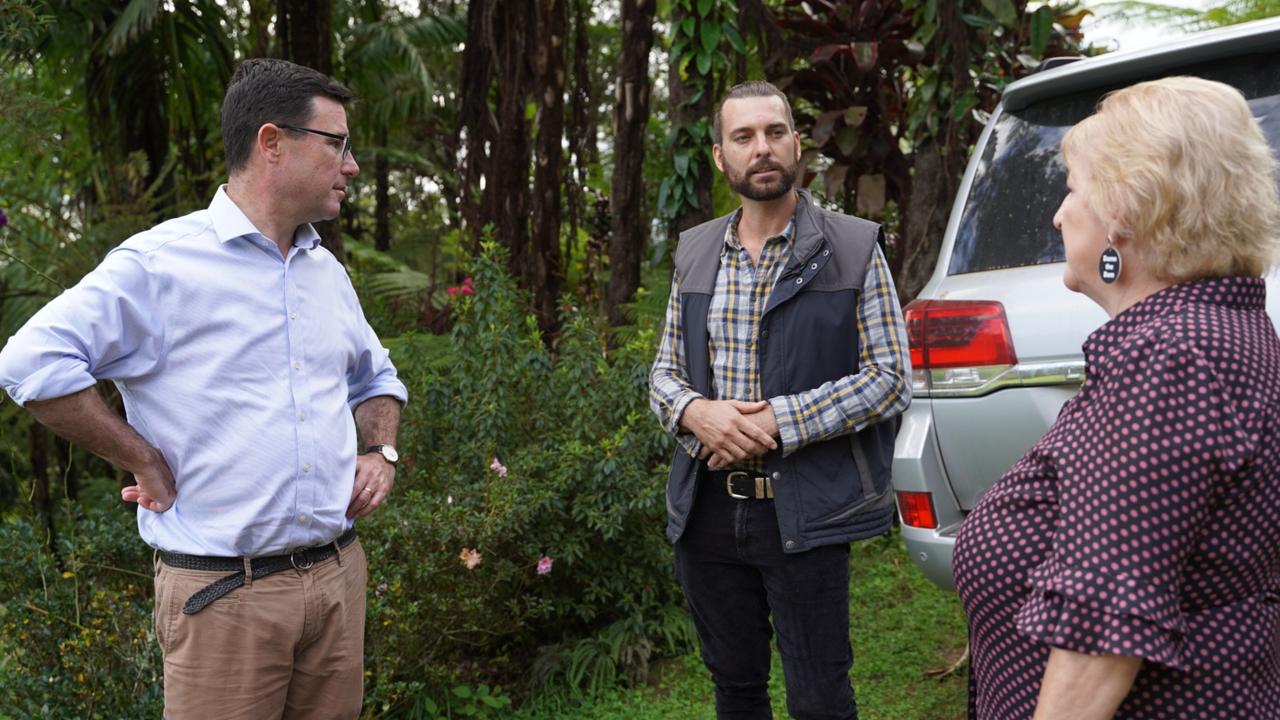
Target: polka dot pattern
1146, 521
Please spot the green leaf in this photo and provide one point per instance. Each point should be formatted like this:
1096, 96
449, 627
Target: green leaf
1041, 30
929, 88
1002, 10
847, 140
710, 37
682, 161
463, 691
704, 62
731, 34
688, 26
704, 7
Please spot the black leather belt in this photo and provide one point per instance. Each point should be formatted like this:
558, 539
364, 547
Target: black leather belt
742, 485
301, 559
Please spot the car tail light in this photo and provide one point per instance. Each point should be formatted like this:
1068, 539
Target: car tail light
958, 346
917, 509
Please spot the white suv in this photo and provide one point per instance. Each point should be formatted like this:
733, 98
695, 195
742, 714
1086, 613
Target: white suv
995, 336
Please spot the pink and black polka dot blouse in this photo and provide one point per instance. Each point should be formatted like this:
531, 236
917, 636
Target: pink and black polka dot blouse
1147, 520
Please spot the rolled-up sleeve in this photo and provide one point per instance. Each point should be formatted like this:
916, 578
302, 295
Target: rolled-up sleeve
372, 374
1134, 497
669, 389
878, 391
107, 327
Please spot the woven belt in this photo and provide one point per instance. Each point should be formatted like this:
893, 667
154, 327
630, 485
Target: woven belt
743, 485
301, 559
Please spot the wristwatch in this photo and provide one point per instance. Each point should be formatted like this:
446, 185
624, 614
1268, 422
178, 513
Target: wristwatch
387, 452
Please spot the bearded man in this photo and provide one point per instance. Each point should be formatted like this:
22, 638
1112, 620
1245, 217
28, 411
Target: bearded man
784, 353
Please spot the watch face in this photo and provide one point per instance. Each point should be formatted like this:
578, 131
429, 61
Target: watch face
389, 453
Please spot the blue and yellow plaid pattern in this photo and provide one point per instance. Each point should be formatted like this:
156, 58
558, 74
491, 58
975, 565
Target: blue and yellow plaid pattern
879, 390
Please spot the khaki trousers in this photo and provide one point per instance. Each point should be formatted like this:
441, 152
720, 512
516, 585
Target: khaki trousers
289, 645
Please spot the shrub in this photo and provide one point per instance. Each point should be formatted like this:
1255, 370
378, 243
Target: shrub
523, 545
77, 640
515, 453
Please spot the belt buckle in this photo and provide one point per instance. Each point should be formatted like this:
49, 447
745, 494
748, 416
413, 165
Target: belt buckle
728, 485
306, 562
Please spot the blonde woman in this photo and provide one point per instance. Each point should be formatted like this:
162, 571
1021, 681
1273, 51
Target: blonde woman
1129, 565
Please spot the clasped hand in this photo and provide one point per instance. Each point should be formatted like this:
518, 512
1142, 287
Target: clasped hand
731, 430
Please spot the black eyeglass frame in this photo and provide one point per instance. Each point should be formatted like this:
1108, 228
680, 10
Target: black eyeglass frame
346, 139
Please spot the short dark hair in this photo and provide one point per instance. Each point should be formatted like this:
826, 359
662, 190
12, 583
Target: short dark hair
266, 90
749, 89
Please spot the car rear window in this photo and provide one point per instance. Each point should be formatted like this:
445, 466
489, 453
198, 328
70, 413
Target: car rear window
1020, 179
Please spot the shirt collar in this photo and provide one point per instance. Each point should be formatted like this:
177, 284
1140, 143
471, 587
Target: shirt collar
731, 232
1234, 292
230, 222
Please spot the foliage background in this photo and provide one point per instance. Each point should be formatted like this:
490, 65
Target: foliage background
516, 267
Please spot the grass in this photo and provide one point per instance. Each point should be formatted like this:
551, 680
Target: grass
902, 628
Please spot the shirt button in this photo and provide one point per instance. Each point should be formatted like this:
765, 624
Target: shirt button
799, 280
791, 544
297, 366
303, 519
306, 468
302, 417
826, 253
777, 476
293, 316
814, 266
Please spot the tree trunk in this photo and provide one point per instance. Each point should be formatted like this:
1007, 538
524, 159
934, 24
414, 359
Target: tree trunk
506, 197
686, 113
630, 227
546, 274
578, 128
305, 30
939, 166
41, 497
259, 24
382, 196
474, 117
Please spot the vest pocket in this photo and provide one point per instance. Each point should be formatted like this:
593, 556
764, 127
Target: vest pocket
846, 487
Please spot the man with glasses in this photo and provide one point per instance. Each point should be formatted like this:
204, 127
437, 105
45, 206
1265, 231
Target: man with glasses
247, 371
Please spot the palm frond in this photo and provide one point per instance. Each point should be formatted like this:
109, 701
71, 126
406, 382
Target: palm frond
137, 18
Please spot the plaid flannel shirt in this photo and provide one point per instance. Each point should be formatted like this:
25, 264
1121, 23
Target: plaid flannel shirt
733, 321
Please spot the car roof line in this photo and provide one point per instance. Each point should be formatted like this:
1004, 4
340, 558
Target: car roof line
1122, 67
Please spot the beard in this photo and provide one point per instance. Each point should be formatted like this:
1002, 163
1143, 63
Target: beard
743, 185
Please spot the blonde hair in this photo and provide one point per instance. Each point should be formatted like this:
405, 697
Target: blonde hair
1180, 165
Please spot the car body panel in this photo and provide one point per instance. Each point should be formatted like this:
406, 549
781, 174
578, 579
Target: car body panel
955, 447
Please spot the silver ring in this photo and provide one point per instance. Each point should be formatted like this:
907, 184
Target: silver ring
367, 490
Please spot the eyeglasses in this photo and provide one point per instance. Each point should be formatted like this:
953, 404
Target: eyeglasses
346, 139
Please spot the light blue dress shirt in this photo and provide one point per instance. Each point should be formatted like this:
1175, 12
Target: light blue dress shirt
242, 366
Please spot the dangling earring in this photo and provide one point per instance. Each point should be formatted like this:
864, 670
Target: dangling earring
1109, 264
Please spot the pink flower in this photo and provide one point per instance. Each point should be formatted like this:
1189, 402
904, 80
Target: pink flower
498, 467
453, 291
467, 288
544, 565
470, 558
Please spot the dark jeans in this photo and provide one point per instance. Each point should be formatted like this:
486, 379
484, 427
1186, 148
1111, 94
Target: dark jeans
734, 574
